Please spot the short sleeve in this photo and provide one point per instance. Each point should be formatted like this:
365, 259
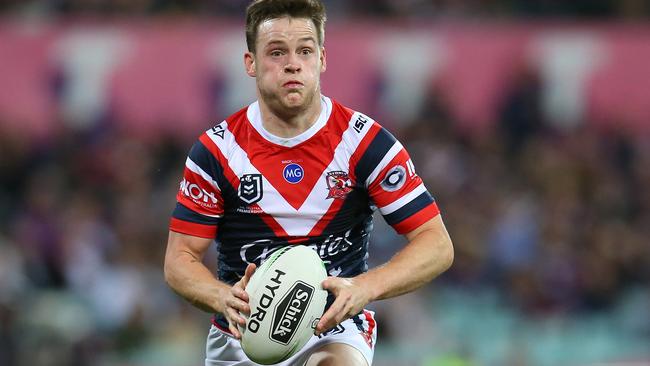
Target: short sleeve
199, 203
393, 185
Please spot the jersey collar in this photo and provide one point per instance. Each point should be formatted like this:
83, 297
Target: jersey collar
255, 118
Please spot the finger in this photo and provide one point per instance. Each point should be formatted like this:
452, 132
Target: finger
325, 323
328, 320
239, 305
327, 283
240, 293
233, 329
235, 317
250, 269
331, 284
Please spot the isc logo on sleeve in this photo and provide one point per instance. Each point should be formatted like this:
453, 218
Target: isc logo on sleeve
293, 173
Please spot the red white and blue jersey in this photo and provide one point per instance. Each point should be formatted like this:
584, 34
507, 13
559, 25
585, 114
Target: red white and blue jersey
254, 192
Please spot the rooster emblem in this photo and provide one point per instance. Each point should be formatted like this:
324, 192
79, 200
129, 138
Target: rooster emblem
339, 184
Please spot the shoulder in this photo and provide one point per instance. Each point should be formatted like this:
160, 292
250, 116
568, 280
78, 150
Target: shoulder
356, 123
220, 137
367, 142
361, 127
233, 123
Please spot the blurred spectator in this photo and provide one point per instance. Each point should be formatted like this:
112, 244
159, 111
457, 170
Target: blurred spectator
340, 9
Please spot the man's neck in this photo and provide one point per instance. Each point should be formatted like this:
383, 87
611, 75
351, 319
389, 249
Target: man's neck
289, 125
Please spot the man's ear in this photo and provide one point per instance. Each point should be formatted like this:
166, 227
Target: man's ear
323, 60
249, 62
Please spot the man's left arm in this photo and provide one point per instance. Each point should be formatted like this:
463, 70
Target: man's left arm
428, 253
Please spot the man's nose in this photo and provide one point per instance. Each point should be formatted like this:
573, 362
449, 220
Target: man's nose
293, 64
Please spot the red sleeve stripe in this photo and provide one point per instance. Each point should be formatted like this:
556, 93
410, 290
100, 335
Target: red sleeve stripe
204, 201
194, 229
208, 185
383, 196
414, 221
399, 157
206, 211
184, 213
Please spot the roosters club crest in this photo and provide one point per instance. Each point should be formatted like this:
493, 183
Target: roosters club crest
339, 184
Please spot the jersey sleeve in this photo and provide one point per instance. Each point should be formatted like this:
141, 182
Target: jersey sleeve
199, 203
389, 176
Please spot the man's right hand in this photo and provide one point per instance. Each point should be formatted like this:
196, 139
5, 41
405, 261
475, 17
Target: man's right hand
236, 303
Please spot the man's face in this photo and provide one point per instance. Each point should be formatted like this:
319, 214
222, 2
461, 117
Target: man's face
287, 64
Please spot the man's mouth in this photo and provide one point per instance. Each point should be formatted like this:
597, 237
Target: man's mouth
292, 84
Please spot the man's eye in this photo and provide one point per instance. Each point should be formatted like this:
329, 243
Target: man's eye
276, 53
306, 51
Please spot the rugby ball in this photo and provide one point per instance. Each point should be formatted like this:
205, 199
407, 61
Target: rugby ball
286, 301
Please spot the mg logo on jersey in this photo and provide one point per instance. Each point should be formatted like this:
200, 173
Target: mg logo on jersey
293, 173
250, 188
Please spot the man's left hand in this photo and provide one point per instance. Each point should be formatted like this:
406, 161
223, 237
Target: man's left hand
351, 298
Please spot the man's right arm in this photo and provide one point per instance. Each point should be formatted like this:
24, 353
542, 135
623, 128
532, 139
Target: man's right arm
190, 278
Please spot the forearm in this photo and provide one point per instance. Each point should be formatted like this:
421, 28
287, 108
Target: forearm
192, 280
427, 255
189, 277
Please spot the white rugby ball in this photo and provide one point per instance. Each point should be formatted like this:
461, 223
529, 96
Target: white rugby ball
286, 301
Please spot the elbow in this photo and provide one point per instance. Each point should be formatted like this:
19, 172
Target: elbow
444, 255
448, 254
169, 273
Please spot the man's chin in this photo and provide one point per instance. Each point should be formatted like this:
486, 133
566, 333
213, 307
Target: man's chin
293, 103
294, 99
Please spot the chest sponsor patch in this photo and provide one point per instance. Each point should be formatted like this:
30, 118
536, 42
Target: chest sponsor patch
293, 173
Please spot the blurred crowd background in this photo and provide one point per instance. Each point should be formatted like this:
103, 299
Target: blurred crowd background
342, 8
550, 219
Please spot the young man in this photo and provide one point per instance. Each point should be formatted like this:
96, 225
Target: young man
297, 168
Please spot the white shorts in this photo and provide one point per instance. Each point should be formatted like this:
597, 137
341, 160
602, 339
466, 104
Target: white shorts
360, 332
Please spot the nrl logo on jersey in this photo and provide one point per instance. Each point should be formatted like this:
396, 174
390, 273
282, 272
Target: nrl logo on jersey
339, 184
250, 188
